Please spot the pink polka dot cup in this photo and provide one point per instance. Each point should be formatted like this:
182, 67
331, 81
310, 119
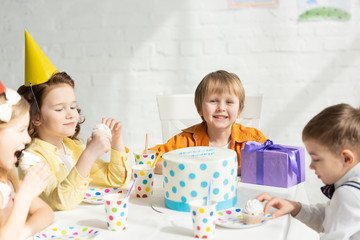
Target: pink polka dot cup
146, 159
116, 209
145, 174
203, 218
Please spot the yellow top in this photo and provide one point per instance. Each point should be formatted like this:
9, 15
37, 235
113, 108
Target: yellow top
38, 68
66, 190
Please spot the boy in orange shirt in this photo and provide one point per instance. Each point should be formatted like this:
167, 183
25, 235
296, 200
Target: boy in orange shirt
219, 100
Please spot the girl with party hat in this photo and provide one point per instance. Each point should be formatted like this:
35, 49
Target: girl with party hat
22, 212
54, 127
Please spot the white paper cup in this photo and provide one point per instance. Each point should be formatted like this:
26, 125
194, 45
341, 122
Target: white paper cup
203, 218
116, 209
146, 159
144, 186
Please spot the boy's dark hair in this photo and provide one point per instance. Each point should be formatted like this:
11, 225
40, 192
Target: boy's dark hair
336, 127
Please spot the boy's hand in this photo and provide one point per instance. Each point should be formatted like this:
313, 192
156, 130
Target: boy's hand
284, 206
117, 142
35, 181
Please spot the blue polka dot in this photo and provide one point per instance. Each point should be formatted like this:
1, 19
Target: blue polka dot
226, 196
216, 174
192, 176
194, 213
232, 188
225, 163
193, 193
152, 157
141, 163
193, 220
211, 213
181, 166
145, 181
205, 220
203, 166
125, 205
174, 190
150, 175
182, 184
172, 173
122, 214
226, 182
135, 175
183, 199
216, 191
97, 193
165, 164
232, 171
237, 210
167, 194
204, 184
166, 180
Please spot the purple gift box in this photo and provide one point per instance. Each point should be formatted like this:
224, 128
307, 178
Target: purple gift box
272, 164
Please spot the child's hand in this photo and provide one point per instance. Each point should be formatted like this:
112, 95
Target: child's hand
284, 206
97, 145
117, 142
35, 181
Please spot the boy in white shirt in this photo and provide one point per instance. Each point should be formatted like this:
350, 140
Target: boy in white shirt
332, 138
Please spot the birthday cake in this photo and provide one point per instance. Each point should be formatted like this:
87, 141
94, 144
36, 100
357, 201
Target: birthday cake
187, 173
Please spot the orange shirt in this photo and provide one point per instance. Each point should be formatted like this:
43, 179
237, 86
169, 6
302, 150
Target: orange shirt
197, 136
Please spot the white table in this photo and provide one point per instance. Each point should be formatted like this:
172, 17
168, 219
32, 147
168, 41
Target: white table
146, 223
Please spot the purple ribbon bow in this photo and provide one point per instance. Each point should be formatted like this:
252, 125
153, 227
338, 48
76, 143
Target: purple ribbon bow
293, 157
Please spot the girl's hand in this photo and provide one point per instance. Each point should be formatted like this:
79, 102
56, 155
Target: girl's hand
117, 142
97, 145
284, 206
35, 181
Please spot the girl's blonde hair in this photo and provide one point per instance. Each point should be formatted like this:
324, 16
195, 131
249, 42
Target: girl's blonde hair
219, 82
18, 110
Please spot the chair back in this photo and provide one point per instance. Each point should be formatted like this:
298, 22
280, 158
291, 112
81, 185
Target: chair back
178, 112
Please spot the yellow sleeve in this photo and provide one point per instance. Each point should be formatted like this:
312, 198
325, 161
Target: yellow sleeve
67, 194
115, 173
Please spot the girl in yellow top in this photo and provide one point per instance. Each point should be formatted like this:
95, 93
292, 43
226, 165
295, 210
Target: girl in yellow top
22, 213
54, 126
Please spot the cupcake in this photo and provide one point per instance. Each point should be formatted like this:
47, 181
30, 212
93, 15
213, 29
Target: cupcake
28, 160
253, 212
101, 128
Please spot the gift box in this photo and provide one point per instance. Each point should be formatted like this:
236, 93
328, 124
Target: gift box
272, 164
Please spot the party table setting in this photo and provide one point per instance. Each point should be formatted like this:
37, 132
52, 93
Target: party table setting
148, 208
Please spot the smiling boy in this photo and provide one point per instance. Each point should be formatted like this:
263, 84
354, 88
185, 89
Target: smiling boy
219, 100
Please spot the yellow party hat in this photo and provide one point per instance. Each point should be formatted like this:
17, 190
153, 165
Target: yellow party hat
38, 68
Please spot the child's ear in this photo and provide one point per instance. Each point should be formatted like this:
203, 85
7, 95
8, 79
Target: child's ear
36, 121
348, 156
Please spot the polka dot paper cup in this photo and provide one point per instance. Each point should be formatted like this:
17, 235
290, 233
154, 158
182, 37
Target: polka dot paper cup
147, 159
203, 218
116, 209
145, 174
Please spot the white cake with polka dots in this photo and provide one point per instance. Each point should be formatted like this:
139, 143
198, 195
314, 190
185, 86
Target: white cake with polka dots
187, 173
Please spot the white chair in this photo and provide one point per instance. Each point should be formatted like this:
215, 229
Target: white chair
178, 112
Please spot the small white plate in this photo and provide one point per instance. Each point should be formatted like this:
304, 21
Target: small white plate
94, 195
233, 218
67, 233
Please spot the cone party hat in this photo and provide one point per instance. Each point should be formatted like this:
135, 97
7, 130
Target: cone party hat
2, 88
38, 68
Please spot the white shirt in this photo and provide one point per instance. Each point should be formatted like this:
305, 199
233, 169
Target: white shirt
339, 218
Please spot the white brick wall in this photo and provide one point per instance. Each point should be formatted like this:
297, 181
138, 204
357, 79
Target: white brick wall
124, 53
